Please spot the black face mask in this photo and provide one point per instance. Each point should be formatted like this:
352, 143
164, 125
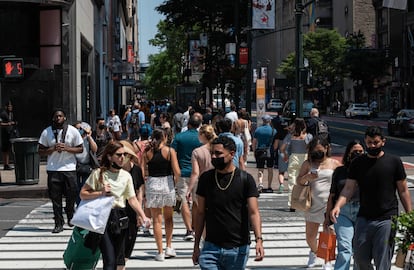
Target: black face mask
317, 155
116, 166
374, 151
354, 155
101, 126
219, 163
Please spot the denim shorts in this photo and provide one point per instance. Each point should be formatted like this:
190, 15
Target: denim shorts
213, 257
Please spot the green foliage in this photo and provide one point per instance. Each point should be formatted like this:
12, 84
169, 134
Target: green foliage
364, 64
161, 76
164, 71
404, 226
287, 67
324, 50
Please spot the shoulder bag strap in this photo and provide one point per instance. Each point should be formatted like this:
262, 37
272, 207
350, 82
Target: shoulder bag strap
65, 129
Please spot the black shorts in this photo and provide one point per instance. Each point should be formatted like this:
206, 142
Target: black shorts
264, 157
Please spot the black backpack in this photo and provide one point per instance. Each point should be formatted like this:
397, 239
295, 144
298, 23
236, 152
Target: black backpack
134, 118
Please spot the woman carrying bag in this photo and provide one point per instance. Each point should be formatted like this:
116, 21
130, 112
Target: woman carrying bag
111, 180
316, 171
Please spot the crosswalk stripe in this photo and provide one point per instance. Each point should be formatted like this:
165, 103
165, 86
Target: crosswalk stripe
31, 245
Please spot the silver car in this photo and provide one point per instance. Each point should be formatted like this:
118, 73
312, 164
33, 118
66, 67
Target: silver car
275, 104
358, 110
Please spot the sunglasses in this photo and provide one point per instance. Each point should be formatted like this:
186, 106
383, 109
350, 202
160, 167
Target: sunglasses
120, 154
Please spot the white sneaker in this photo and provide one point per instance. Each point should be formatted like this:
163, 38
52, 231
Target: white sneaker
312, 259
170, 252
327, 266
160, 257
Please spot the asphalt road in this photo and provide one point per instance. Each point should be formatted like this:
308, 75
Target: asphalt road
13, 210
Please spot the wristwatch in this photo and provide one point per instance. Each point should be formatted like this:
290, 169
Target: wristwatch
259, 238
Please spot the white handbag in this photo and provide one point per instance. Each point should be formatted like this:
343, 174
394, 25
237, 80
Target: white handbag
93, 215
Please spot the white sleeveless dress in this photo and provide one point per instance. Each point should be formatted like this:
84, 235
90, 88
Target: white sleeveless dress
320, 188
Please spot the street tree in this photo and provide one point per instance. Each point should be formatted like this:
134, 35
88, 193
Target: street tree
324, 49
364, 65
164, 71
221, 20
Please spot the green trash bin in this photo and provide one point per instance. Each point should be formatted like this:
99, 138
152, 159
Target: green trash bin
26, 159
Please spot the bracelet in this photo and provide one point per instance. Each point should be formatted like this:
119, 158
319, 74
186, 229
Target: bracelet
259, 238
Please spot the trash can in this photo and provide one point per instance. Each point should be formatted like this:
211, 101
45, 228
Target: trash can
27, 160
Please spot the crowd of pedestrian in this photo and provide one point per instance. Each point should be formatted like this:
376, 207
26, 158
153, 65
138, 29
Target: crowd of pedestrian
162, 159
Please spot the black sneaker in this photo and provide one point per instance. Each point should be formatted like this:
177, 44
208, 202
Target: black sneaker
189, 236
8, 167
57, 229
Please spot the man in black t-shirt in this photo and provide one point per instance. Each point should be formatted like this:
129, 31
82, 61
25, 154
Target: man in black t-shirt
378, 176
227, 204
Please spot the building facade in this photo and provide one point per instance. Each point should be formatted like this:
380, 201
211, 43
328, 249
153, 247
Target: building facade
79, 55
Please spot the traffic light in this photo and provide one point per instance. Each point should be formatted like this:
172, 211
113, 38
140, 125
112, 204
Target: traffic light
12, 68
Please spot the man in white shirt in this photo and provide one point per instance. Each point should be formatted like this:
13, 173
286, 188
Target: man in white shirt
232, 115
60, 142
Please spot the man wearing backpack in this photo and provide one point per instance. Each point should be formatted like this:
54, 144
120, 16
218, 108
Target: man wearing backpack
316, 126
134, 120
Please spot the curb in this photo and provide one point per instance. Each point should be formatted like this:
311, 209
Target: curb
19, 191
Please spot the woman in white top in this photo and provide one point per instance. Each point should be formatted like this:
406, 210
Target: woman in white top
317, 171
114, 124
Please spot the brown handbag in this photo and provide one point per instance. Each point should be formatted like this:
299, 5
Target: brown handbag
301, 198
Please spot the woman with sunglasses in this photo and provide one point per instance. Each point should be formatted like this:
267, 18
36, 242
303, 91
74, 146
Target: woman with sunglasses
344, 228
111, 180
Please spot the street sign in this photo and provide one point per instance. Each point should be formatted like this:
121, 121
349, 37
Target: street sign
127, 82
12, 68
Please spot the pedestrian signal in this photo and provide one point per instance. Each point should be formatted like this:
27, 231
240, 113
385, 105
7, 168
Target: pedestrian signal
12, 68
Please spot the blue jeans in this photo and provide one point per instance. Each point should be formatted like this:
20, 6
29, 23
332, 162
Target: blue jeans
213, 257
344, 229
374, 239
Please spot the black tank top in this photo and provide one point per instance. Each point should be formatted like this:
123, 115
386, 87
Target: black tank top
158, 165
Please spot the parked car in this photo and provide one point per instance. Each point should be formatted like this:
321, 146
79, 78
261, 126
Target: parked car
275, 104
358, 110
402, 123
289, 110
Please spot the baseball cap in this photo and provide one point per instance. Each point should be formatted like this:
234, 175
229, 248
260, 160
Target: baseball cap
266, 117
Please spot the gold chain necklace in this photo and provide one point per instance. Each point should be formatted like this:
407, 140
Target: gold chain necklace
228, 184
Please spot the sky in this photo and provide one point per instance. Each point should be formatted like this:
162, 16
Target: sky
148, 19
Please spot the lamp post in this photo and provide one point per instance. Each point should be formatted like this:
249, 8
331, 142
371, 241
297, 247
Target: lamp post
299, 7
299, 58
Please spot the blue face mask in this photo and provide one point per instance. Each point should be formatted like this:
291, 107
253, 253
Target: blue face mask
81, 131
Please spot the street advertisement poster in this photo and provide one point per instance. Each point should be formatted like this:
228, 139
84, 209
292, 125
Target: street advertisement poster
196, 64
260, 100
263, 14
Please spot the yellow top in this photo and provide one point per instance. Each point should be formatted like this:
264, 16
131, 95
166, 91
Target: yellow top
122, 187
